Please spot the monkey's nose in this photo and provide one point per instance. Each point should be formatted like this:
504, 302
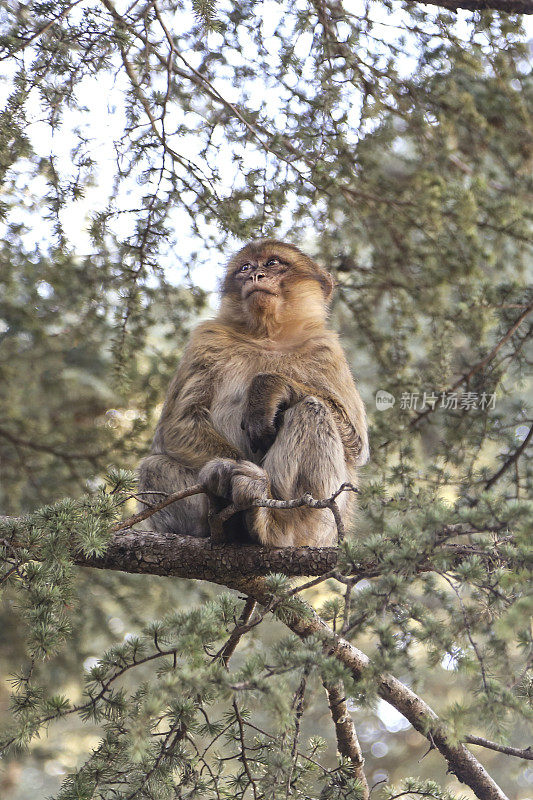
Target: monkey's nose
258, 276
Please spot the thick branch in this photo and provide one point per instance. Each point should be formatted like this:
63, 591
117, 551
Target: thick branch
173, 555
508, 6
186, 557
345, 733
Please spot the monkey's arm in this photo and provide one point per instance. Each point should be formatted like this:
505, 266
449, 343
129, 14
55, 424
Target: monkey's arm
270, 394
348, 408
186, 428
353, 431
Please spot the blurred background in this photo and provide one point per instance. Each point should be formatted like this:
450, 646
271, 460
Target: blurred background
140, 145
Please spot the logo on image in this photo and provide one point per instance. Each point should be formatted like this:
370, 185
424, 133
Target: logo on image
384, 400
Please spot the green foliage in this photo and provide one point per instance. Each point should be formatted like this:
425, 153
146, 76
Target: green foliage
413, 788
343, 786
205, 12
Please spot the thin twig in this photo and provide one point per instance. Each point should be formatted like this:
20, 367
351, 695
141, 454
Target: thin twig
526, 752
510, 461
243, 748
197, 488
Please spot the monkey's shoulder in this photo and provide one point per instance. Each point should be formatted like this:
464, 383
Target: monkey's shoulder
207, 344
215, 347
214, 336
209, 329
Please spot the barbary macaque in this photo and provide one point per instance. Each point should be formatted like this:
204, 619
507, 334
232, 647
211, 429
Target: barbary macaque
262, 405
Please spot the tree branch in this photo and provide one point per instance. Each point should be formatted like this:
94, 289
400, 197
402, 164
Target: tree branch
483, 363
239, 630
53, 451
510, 461
241, 568
507, 6
461, 762
182, 556
40, 31
345, 733
152, 553
526, 752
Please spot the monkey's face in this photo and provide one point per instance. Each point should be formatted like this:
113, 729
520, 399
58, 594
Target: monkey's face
260, 282
274, 280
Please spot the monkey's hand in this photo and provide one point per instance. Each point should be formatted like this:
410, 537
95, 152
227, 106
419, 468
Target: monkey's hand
269, 395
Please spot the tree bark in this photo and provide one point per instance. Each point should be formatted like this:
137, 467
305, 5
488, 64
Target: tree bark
170, 554
186, 557
345, 733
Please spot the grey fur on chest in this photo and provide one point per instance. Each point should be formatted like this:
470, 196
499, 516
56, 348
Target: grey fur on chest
230, 396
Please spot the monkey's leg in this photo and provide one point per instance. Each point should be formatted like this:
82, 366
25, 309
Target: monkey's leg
160, 473
307, 456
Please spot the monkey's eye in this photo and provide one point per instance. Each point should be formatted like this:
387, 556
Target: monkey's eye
244, 268
272, 262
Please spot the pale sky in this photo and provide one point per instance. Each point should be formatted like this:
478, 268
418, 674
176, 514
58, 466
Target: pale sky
103, 121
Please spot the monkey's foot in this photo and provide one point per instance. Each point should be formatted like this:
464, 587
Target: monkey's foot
216, 476
249, 482
241, 482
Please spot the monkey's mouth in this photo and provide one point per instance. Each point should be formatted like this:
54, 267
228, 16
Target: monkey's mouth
257, 289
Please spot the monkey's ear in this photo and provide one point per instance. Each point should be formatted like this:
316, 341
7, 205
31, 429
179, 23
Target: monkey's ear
328, 283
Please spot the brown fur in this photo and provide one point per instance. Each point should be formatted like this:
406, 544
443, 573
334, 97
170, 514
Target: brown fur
262, 405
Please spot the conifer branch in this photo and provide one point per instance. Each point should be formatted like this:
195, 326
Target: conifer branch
421, 716
235, 567
510, 461
242, 568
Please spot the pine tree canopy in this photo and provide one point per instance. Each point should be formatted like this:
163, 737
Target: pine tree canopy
141, 143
